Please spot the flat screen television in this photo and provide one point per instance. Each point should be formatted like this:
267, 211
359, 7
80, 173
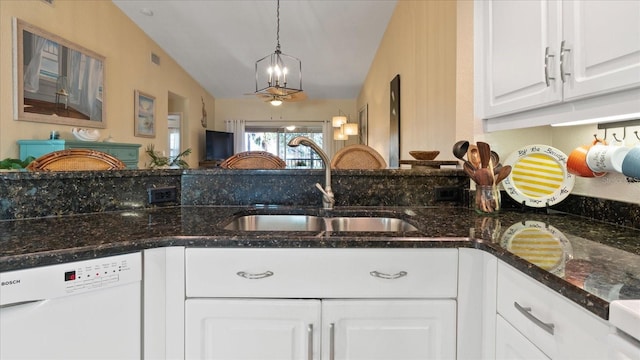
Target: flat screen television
219, 145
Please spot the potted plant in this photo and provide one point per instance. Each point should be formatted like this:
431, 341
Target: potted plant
15, 164
159, 161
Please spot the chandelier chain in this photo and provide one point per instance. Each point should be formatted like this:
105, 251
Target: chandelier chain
278, 26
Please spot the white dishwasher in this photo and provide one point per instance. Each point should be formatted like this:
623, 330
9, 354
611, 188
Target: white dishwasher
88, 309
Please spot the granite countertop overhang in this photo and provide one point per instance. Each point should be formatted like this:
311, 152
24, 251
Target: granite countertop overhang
601, 262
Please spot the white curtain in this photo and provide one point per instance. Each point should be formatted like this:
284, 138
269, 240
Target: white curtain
94, 78
237, 128
32, 72
85, 84
328, 144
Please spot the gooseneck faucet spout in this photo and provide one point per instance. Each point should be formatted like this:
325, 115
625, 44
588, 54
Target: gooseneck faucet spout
327, 194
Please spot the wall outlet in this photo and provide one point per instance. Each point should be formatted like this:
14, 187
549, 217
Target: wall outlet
162, 195
447, 193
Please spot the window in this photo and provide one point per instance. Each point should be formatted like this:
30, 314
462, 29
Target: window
274, 140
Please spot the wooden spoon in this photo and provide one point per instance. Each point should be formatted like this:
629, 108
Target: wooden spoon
483, 177
485, 153
474, 156
469, 170
503, 173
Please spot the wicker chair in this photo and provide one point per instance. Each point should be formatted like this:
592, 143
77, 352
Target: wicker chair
358, 157
76, 160
253, 160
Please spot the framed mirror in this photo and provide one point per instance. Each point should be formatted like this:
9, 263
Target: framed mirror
56, 81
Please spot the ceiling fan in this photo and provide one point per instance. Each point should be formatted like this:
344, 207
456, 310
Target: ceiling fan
278, 95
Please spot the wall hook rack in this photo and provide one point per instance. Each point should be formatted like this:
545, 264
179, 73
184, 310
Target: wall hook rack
603, 139
620, 124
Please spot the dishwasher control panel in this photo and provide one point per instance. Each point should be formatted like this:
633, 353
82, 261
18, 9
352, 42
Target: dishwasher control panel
49, 282
96, 274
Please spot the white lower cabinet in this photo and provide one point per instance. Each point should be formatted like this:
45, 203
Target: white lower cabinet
512, 345
252, 329
554, 324
388, 329
288, 329
329, 304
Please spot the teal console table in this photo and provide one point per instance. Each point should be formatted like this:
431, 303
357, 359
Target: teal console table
128, 153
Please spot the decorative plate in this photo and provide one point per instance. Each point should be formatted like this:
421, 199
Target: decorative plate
538, 243
539, 176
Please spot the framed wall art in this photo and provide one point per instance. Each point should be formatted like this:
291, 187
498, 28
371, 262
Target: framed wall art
363, 124
60, 82
394, 126
145, 115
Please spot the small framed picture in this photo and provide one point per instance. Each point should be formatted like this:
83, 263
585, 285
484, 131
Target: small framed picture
145, 115
363, 124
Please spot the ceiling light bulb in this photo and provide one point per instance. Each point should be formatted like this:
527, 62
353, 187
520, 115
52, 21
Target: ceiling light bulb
276, 102
291, 127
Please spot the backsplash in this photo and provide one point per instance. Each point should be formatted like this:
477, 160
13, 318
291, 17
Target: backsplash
28, 195
609, 211
31, 195
297, 187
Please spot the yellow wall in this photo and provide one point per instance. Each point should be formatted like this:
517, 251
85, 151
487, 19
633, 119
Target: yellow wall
101, 27
420, 44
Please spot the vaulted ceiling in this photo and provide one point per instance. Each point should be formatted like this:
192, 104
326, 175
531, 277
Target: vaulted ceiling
218, 41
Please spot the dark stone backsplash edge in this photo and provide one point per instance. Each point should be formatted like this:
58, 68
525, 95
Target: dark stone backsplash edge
26, 195
604, 210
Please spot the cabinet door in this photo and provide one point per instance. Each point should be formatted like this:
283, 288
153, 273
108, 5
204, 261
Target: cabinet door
250, 329
512, 345
516, 36
388, 329
603, 38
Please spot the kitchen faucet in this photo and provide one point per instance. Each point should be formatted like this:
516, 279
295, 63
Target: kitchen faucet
327, 195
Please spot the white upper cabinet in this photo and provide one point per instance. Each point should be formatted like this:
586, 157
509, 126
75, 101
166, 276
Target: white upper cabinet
535, 54
520, 44
602, 46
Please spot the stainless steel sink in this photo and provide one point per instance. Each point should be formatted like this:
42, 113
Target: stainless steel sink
276, 222
268, 222
370, 224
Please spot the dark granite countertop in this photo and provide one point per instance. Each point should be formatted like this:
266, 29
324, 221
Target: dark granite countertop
589, 262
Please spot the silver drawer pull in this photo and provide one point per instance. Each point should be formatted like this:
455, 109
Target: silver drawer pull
332, 341
526, 311
310, 342
388, 276
251, 276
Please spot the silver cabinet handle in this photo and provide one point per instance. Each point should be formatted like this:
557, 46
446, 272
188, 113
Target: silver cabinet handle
388, 276
563, 51
546, 66
526, 311
310, 342
332, 341
251, 276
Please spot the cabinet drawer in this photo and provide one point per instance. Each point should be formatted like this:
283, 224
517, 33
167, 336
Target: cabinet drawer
563, 330
322, 273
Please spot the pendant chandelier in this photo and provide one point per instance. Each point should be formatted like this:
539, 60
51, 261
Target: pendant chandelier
343, 128
277, 74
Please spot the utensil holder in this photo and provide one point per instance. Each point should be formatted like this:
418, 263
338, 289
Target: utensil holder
488, 199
